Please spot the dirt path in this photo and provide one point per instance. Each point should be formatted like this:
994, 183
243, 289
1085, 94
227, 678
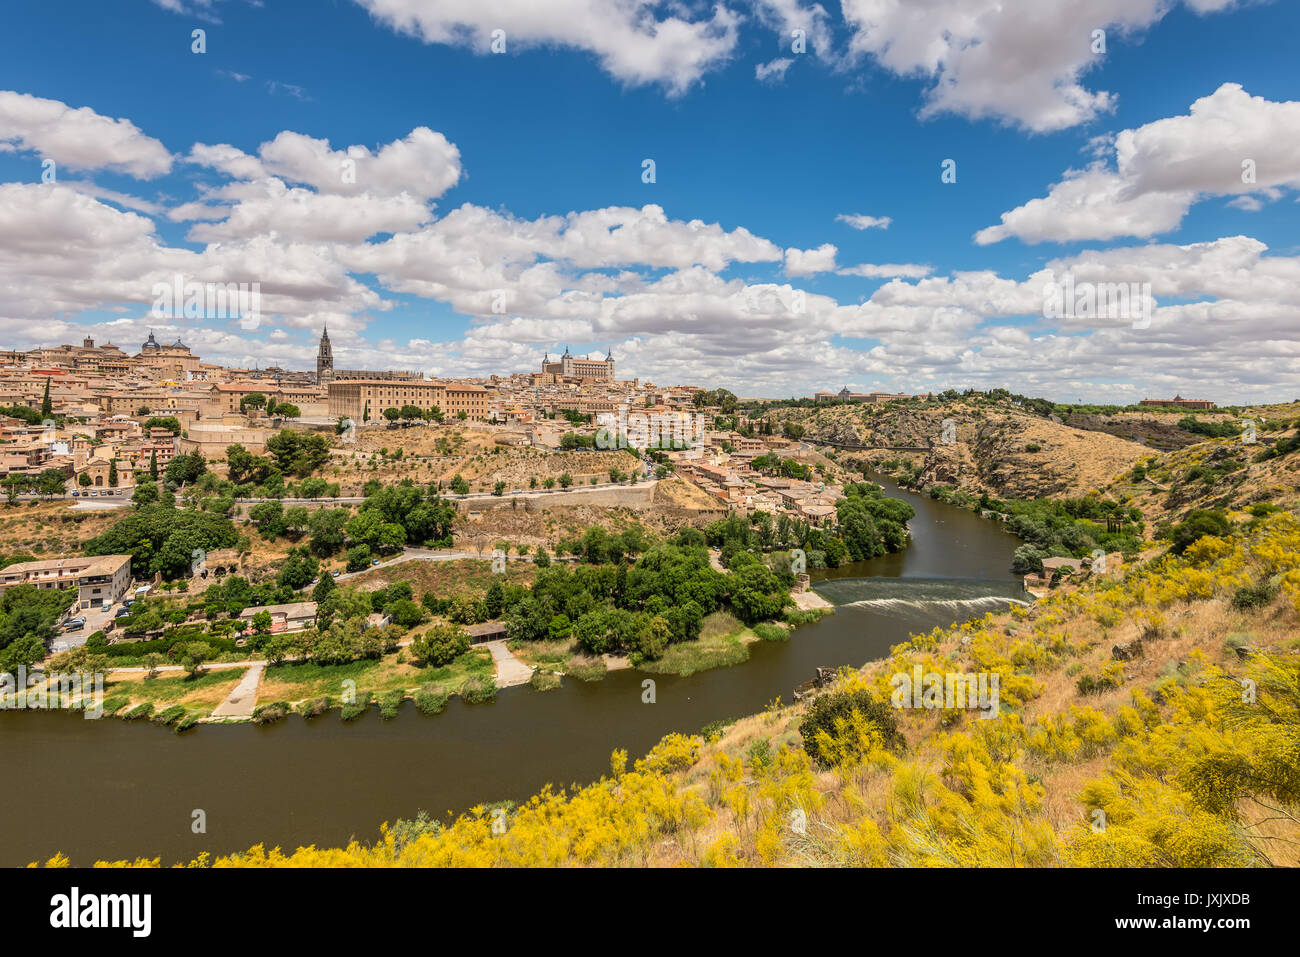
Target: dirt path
243, 697
510, 670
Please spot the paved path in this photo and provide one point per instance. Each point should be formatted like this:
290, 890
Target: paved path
510, 670
243, 699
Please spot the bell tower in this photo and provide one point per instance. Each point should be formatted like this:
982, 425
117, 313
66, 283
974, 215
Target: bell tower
324, 359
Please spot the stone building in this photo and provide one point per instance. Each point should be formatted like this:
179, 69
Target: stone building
580, 367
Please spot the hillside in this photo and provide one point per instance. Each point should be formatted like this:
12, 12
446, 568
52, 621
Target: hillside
996, 446
1151, 718
1221, 474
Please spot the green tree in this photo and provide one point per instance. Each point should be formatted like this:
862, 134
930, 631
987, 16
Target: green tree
254, 400
560, 628
1199, 522
144, 494
358, 557
440, 645
324, 588
168, 422
269, 519
47, 406
193, 656
326, 529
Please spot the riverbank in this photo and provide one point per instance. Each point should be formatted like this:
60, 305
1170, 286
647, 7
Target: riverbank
507, 748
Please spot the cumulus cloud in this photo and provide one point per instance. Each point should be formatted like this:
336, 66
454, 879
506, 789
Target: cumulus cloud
423, 164
1228, 143
1019, 62
631, 41
78, 138
651, 286
809, 262
269, 207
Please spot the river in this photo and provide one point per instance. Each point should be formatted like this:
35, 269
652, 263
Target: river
110, 789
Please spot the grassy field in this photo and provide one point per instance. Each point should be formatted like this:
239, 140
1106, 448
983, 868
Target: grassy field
294, 682
199, 695
723, 641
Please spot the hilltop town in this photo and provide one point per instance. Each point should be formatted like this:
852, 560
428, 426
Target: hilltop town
86, 421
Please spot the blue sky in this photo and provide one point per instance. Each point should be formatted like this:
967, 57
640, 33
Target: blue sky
531, 156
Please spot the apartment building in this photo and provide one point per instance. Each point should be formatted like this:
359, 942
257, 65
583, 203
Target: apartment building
97, 579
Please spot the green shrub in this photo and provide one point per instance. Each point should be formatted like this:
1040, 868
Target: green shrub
770, 632
315, 707
714, 729
270, 713
390, 703
586, 667
143, 710
829, 708
187, 722
357, 708
760, 753
544, 680
794, 617
431, 699
478, 689
1254, 596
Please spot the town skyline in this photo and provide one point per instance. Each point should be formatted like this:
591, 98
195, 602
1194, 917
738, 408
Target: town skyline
369, 197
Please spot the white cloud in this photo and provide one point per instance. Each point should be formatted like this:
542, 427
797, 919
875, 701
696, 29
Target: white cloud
860, 221
787, 16
809, 262
887, 270
78, 138
1164, 167
630, 39
775, 70
1022, 62
268, 207
422, 164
